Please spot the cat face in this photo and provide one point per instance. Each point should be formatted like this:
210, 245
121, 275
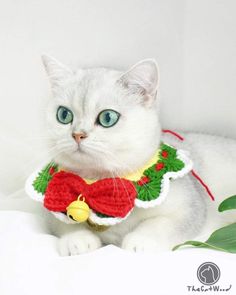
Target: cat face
102, 122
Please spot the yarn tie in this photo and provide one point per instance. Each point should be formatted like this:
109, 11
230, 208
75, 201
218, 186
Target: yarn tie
111, 196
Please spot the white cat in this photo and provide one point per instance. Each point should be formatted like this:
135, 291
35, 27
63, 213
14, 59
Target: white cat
96, 152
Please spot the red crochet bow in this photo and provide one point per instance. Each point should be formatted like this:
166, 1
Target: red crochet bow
111, 196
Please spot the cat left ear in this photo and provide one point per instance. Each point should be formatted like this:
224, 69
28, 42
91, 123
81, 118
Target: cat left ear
142, 78
56, 71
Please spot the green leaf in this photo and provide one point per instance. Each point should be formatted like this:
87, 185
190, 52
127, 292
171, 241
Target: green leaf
41, 182
189, 243
228, 204
223, 239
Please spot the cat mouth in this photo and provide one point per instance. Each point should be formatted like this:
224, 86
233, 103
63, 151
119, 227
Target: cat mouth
80, 149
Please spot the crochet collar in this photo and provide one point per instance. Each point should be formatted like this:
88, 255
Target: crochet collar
107, 201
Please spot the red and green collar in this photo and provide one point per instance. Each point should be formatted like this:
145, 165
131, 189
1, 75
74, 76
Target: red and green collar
107, 201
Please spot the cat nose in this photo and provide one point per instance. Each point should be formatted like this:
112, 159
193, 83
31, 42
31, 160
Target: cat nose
79, 136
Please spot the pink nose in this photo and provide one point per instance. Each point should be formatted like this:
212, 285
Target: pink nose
79, 136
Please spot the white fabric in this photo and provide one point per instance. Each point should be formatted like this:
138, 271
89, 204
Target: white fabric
30, 264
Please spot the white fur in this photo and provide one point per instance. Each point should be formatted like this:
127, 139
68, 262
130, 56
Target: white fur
127, 146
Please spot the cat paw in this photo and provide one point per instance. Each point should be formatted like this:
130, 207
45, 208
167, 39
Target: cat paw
137, 242
78, 242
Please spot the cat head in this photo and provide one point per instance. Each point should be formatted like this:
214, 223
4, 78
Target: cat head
103, 122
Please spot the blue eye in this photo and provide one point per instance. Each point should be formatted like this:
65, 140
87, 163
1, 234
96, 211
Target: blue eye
108, 118
64, 115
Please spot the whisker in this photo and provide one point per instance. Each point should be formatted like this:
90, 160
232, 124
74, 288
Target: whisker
127, 168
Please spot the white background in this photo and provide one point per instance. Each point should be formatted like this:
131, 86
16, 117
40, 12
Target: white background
194, 43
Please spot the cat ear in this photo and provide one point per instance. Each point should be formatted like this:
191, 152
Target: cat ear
142, 78
56, 71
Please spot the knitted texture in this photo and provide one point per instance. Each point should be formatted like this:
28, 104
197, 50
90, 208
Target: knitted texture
150, 185
193, 172
112, 196
112, 199
41, 182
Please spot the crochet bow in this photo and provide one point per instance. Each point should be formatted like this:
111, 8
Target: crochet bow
111, 196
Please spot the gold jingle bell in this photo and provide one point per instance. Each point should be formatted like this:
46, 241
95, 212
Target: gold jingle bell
78, 210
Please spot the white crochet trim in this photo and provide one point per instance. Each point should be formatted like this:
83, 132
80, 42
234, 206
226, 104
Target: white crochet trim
32, 193
29, 189
165, 184
93, 217
106, 220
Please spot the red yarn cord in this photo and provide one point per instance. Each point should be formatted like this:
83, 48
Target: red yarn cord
193, 172
203, 184
173, 133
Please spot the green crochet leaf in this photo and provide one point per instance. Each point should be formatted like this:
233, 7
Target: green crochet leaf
149, 191
228, 204
172, 163
45, 175
223, 239
152, 189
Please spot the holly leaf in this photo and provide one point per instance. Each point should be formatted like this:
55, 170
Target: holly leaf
44, 176
228, 204
223, 239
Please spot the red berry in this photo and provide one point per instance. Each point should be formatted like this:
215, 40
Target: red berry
165, 154
51, 170
160, 166
143, 180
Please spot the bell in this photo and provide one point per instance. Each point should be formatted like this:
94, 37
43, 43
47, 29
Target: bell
78, 210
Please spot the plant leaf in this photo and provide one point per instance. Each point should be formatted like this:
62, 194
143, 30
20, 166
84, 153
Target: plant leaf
189, 243
223, 239
228, 204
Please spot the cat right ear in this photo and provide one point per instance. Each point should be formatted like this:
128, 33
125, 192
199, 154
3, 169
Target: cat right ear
142, 78
57, 72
